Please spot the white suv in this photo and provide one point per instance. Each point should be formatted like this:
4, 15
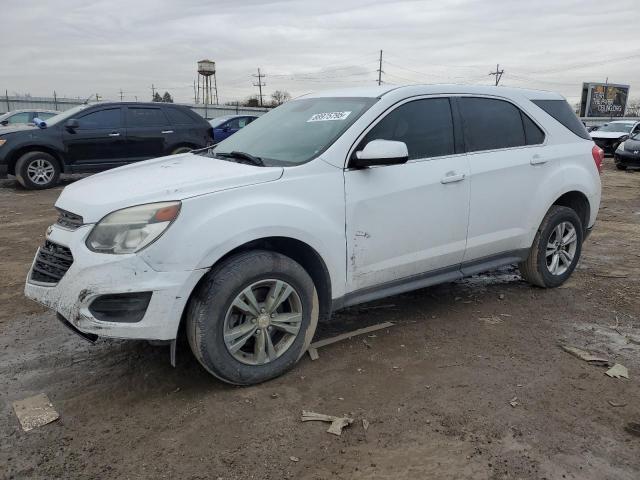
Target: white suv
330, 200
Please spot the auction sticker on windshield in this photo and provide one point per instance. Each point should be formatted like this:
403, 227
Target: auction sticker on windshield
325, 117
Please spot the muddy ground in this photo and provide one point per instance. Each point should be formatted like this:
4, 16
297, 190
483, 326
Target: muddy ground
436, 388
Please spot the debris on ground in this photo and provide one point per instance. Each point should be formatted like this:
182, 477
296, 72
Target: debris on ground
617, 371
365, 424
586, 356
610, 275
337, 423
35, 412
616, 404
493, 320
514, 402
313, 348
294, 459
633, 429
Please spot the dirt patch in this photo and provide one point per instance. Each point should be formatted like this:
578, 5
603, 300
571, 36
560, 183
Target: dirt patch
435, 388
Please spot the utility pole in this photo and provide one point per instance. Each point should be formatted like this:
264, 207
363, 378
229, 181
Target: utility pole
6, 95
260, 84
153, 91
498, 73
98, 97
121, 94
55, 100
195, 95
380, 72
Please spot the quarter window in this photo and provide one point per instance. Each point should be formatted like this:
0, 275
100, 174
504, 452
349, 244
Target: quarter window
145, 117
532, 132
425, 126
109, 118
490, 124
179, 117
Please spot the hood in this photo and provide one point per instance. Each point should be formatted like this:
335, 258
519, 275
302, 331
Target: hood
168, 178
603, 135
16, 128
631, 145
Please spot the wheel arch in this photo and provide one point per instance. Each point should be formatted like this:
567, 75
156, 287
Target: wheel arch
578, 202
15, 155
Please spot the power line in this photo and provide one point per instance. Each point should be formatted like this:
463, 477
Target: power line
260, 84
498, 73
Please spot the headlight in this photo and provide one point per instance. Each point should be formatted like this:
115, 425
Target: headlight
2, 141
621, 146
131, 229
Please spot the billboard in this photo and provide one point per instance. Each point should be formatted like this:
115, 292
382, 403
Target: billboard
603, 100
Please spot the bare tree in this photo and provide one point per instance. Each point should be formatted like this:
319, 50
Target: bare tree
279, 97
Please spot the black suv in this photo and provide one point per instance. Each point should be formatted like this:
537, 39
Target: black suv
91, 138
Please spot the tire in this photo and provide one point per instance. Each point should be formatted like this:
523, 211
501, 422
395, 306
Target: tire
537, 268
37, 171
620, 166
179, 150
213, 321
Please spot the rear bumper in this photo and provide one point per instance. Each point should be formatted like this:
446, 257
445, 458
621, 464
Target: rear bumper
627, 158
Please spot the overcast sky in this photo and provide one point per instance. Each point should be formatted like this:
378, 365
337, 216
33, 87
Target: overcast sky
80, 47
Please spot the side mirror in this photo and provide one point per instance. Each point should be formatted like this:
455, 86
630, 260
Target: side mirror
381, 152
72, 124
4, 123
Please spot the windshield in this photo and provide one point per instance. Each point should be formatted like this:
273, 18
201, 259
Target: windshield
296, 131
65, 115
616, 127
220, 120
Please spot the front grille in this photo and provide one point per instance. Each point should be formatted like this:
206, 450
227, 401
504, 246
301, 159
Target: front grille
52, 263
69, 220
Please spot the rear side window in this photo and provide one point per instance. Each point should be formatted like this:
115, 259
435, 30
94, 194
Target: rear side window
179, 117
491, 124
561, 111
145, 117
532, 132
426, 126
109, 118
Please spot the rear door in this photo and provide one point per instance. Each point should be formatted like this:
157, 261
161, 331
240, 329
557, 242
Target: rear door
148, 132
98, 140
408, 220
507, 163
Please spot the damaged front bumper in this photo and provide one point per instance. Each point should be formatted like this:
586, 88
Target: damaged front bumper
96, 277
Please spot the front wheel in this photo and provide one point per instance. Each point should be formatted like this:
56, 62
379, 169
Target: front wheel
37, 170
252, 317
556, 249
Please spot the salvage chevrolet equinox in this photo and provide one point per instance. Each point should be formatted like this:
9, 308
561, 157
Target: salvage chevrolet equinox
329, 200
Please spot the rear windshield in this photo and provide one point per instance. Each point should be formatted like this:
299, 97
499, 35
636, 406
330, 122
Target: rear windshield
561, 111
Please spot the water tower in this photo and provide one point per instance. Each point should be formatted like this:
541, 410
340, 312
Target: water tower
207, 70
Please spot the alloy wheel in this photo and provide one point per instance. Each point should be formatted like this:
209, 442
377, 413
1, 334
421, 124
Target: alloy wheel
41, 171
561, 248
263, 322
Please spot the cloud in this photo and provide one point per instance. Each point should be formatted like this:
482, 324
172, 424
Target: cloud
78, 48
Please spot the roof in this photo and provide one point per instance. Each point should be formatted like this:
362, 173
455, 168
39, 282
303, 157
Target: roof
410, 90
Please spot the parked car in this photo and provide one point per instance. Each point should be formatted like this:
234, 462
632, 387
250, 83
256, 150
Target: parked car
227, 125
611, 134
628, 153
25, 117
327, 201
91, 138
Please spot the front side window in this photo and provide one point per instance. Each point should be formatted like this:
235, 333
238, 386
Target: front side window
22, 117
109, 118
45, 115
490, 124
296, 131
145, 117
425, 126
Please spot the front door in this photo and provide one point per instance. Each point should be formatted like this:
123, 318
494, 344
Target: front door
98, 141
408, 221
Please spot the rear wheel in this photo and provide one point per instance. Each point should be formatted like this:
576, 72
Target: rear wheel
556, 249
37, 170
252, 317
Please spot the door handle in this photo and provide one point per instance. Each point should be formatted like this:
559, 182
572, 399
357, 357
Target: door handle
167, 131
537, 160
452, 177
114, 134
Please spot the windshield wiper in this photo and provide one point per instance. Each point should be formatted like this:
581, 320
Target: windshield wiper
242, 156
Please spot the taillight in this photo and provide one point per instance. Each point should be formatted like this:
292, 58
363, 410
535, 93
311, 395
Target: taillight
598, 157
